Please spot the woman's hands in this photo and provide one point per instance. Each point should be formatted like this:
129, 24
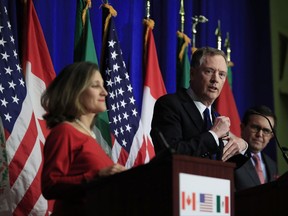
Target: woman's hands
115, 168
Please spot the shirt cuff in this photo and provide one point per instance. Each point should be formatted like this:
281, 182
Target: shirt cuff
215, 137
243, 152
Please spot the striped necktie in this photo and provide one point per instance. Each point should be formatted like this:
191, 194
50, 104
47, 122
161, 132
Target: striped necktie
258, 168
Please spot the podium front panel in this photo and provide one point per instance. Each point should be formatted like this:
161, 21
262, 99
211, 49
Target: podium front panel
150, 189
201, 167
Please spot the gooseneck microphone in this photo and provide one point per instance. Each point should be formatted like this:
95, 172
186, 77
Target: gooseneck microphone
273, 131
165, 143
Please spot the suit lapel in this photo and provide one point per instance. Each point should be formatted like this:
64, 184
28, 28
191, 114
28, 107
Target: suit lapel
191, 109
252, 172
268, 167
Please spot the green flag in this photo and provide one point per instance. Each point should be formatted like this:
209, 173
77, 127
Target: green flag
229, 75
183, 63
5, 195
85, 51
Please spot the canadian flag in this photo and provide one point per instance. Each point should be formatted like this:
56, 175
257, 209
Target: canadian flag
153, 86
37, 64
39, 72
187, 200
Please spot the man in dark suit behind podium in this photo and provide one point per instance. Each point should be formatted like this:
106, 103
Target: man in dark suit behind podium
179, 117
255, 129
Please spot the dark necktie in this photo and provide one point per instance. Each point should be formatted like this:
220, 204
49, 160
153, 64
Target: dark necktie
207, 119
208, 125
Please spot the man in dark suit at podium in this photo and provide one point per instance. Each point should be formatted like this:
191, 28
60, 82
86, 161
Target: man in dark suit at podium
256, 130
185, 118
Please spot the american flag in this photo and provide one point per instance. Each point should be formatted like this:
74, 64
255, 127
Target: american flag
13, 101
21, 112
12, 85
206, 202
129, 147
12, 92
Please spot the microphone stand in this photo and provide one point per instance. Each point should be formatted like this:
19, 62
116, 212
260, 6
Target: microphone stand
273, 131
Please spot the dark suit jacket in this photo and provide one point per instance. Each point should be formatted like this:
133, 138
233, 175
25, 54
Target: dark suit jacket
246, 176
180, 122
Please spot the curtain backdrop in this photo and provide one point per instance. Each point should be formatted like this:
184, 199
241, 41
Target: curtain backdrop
247, 21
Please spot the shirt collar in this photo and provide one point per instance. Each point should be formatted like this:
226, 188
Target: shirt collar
200, 106
259, 154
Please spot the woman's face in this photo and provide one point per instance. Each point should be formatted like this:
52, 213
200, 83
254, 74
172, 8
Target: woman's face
93, 98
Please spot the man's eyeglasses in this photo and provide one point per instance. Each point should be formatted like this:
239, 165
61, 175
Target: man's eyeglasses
257, 128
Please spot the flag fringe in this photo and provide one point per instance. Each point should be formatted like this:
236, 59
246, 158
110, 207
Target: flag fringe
149, 24
112, 12
187, 41
84, 12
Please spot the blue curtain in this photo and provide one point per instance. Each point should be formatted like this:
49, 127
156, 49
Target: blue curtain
248, 23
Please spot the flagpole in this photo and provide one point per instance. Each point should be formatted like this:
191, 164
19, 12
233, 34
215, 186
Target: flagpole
218, 34
228, 49
196, 19
148, 9
149, 24
228, 53
194, 31
182, 15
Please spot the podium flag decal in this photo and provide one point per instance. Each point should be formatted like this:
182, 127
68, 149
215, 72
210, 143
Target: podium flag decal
206, 204
188, 200
203, 196
224, 204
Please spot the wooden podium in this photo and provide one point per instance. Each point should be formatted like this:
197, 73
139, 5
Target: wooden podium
265, 200
153, 188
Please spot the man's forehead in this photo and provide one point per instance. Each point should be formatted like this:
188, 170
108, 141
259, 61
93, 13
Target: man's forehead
213, 63
258, 118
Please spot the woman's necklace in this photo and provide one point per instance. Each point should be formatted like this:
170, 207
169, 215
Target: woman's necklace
85, 128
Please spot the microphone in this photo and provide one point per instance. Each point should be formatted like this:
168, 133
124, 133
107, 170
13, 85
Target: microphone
273, 131
164, 153
165, 143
